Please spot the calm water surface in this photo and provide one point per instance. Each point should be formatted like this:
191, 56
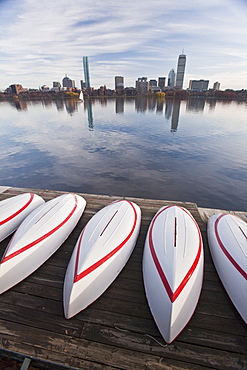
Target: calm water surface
176, 150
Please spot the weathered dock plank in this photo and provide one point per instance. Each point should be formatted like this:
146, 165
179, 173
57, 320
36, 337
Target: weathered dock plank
117, 331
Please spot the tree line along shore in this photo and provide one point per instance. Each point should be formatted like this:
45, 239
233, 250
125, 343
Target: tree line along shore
182, 94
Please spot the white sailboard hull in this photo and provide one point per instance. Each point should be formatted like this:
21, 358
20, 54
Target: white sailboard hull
173, 269
101, 252
38, 237
227, 238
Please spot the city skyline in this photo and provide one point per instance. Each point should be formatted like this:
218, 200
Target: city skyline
39, 44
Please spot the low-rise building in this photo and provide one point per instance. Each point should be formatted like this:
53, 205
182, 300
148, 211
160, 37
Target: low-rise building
16, 89
216, 86
68, 83
198, 85
45, 88
142, 85
162, 82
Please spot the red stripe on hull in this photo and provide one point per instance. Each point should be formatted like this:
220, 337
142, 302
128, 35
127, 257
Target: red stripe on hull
19, 211
224, 250
174, 295
43, 237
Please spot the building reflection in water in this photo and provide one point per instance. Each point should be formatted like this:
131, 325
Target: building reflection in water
88, 107
168, 109
212, 104
141, 104
103, 101
152, 103
59, 104
175, 115
195, 105
19, 104
160, 106
47, 103
71, 106
119, 105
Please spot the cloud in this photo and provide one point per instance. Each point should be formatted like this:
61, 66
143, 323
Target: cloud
142, 37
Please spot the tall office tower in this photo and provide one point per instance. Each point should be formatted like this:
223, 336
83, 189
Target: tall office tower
119, 83
86, 72
180, 71
162, 82
171, 78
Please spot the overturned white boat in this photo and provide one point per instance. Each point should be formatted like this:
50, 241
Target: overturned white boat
173, 269
14, 210
38, 237
101, 252
227, 238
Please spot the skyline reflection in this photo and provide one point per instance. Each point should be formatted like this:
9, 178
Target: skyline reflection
141, 147
170, 108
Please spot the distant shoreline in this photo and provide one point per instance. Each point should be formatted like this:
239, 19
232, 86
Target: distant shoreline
180, 94
46, 98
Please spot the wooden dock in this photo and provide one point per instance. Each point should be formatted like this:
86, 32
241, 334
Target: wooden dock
117, 331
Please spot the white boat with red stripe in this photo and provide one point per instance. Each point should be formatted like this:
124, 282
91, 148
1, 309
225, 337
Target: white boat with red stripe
173, 269
227, 238
14, 210
102, 250
38, 237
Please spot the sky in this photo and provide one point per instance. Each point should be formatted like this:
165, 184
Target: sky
42, 41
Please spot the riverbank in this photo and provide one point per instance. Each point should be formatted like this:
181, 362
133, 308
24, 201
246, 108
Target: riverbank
110, 94
40, 95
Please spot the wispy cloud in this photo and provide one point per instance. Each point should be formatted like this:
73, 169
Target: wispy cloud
41, 41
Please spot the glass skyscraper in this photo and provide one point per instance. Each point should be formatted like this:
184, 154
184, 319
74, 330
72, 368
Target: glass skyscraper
171, 79
180, 71
86, 72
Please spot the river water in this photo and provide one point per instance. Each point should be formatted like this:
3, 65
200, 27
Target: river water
192, 150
